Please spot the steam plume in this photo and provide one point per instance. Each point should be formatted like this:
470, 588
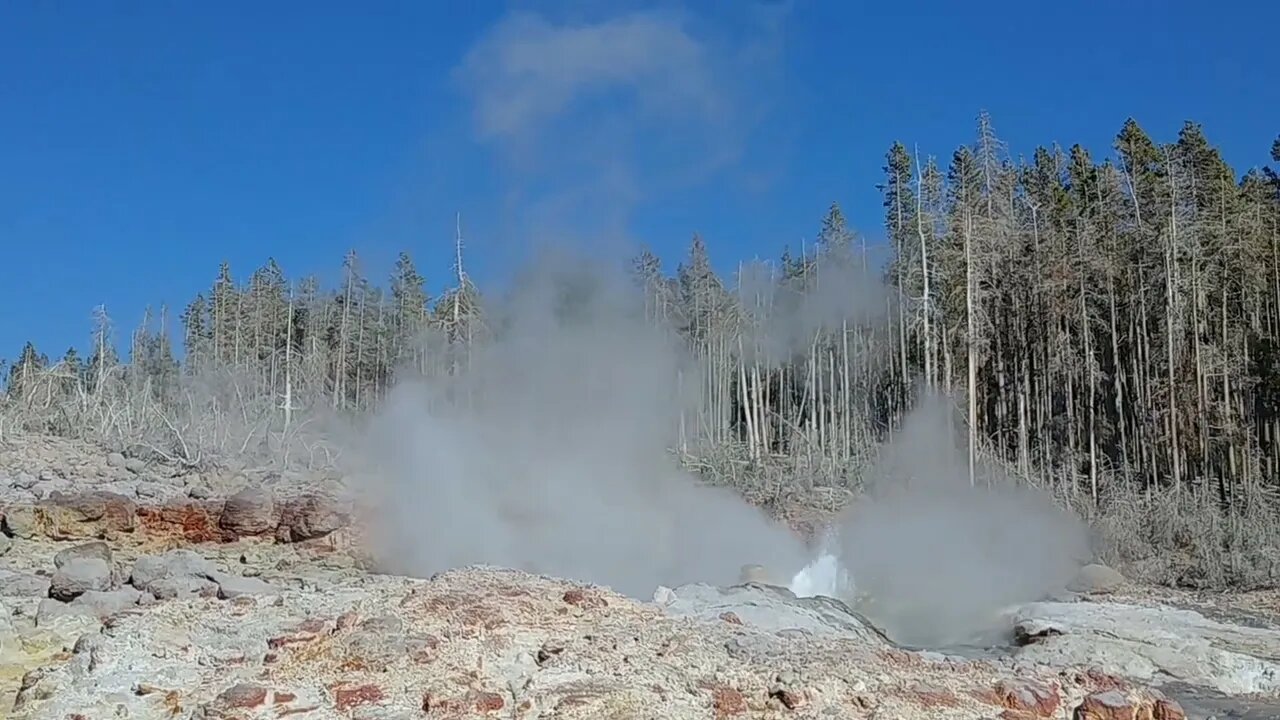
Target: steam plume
941, 559
550, 453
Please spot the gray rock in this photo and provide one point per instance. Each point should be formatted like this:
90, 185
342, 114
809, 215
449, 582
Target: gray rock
20, 520
104, 604
182, 586
150, 569
46, 488
1151, 644
24, 481
20, 584
199, 492
772, 609
231, 586
78, 576
5, 544
51, 610
153, 490
134, 465
1096, 579
94, 549
116, 460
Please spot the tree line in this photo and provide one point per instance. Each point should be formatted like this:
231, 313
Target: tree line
1105, 323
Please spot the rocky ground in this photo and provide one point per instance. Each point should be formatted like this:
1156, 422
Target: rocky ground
137, 589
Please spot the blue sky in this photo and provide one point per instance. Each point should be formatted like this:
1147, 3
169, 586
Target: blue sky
141, 144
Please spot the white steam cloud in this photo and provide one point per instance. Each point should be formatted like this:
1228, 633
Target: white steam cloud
550, 453
940, 559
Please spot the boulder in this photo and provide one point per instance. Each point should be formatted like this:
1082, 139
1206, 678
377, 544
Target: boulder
312, 516
95, 549
252, 511
78, 576
175, 574
1096, 579
771, 609
149, 569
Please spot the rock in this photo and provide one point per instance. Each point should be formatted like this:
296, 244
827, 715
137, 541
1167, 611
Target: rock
46, 488
78, 576
1096, 579
50, 610
20, 521
20, 584
179, 587
771, 609
1115, 705
311, 516
150, 569
1031, 699
1150, 644
134, 465
233, 586
153, 490
115, 460
5, 544
96, 549
175, 574
105, 603
241, 696
185, 521
251, 511
83, 515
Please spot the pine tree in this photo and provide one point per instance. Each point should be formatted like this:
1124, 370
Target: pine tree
24, 373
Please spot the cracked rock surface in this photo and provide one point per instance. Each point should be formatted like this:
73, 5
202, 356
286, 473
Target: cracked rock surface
131, 587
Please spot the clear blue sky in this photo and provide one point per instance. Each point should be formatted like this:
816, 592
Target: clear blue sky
141, 144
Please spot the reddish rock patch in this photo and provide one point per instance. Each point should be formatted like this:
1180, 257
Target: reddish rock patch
188, 522
1028, 697
585, 599
346, 698
485, 702
731, 618
727, 702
